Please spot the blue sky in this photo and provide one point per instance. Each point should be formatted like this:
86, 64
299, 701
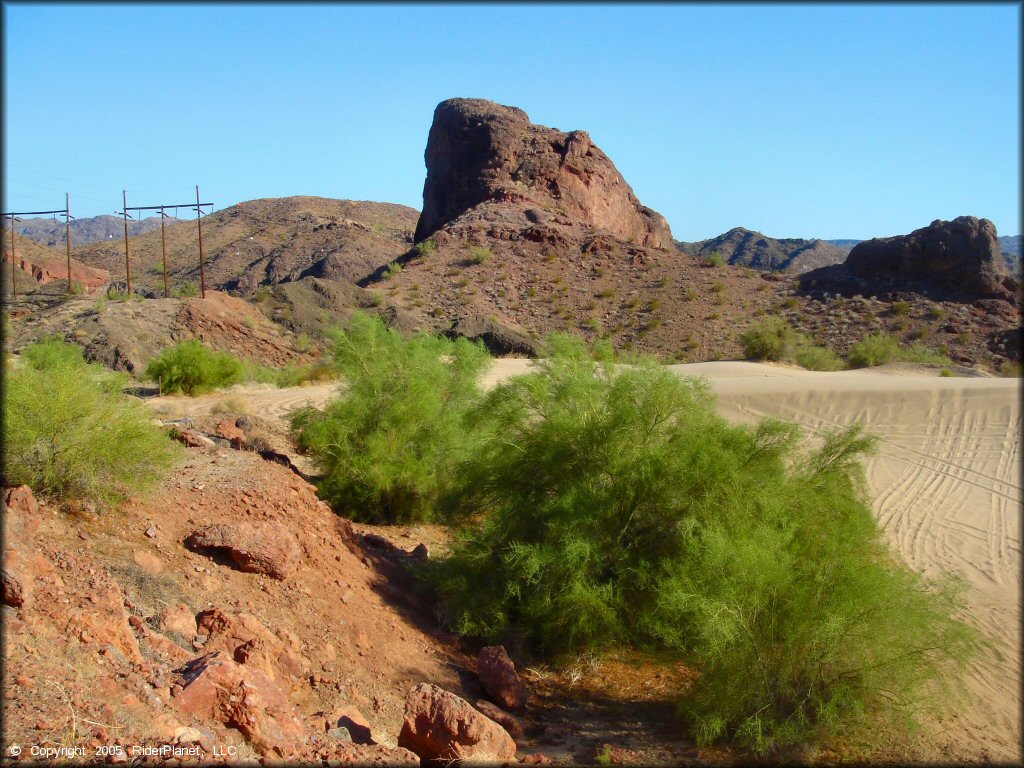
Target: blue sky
798, 121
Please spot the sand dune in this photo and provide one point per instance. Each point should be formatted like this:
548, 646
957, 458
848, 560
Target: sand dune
946, 487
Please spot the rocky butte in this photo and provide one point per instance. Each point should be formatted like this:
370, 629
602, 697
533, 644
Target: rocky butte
488, 162
948, 260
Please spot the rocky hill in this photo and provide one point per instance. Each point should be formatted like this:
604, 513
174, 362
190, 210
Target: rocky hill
1010, 247
958, 259
94, 229
266, 242
43, 267
745, 248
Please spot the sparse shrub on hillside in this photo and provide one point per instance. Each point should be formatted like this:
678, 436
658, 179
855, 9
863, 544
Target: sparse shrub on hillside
815, 358
717, 287
882, 348
771, 339
185, 290
613, 507
392, 269
70, 432
900, 308
192, 368
425, 248
715, 259
479, 255
387, 445
303, 343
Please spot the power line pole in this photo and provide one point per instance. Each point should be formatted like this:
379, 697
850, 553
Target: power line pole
13, 216
127, 258
163, 247
163, 237
202, 264
67, 232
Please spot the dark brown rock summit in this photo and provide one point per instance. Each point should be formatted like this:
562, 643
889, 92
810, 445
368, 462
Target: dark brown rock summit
480, 153
958, 259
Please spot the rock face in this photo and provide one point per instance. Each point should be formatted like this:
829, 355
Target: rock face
441, 726
479, 152
268, 548
958, 259
498, 678
216, 688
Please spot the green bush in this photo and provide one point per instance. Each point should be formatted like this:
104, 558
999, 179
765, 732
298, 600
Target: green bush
425, 248
715, 259
479, 255
70, 433
771, 339
185, 290
613, 506
901, 308
392, 269
815, 358
387, 446
193, 369
877, 349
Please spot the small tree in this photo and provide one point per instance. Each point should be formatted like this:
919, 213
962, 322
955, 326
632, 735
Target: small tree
192, 368
388, 444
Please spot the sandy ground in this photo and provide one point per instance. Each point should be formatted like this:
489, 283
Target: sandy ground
946, 485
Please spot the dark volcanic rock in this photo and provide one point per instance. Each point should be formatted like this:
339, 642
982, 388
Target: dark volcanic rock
957, 259
479, 152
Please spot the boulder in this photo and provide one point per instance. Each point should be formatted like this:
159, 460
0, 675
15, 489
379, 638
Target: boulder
509, 722
180, 619
255, 547
439, 725
14, 592
214, 687
479, 152
498, 678
247, 641
231, 432
498, 338
102, 619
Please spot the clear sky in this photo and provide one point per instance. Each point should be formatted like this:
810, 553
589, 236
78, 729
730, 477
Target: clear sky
823, 121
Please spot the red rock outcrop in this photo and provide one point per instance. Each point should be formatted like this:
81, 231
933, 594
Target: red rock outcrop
255, 547
528, 177
947, 260
498, 678
216, 688
247, 641
441, 726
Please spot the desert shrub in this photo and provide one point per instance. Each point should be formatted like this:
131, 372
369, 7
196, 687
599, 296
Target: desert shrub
922, 353
876, 349
70, 433
193, 368
717, 287
901, 308
613, 506
425, 248
715, 259
479, 255
388, 443
185, 290
303, 343
815, 358
771, 339
392, 269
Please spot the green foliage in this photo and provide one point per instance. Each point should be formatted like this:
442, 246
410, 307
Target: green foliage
900, 308
882, 348
425, 248
771, 339
387, 446
876, 349
192, 368
715, 259
303, 343
612, 506
392, 269
815, 358
263, 293
70, 432
479, 255
717, 287
185, 290
76, 289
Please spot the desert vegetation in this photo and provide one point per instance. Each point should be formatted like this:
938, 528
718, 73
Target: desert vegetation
611, 506
70, 433
388, 445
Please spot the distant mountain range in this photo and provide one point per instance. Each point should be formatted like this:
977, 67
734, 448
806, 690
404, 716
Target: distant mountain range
746, 248
86, 230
